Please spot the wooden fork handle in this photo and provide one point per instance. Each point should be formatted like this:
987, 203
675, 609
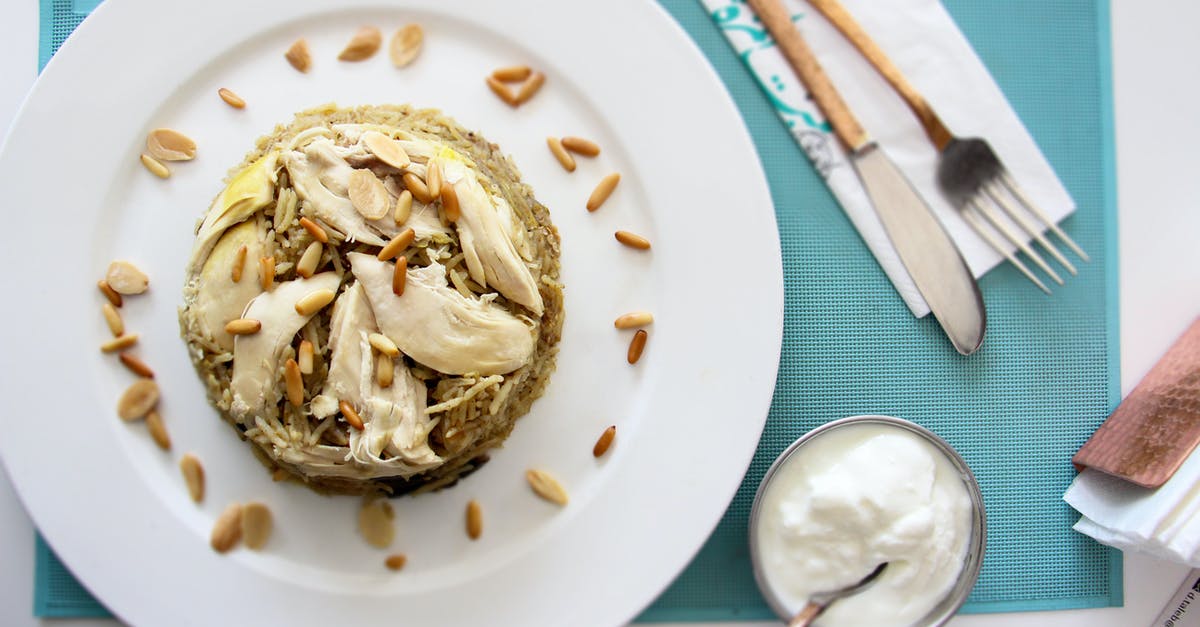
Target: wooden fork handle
775, 17
806, 616
850, 28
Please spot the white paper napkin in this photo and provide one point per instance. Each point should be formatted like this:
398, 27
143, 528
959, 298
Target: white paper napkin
927, 46
1164, 522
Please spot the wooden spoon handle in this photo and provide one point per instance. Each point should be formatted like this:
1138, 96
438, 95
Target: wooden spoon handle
775, 17
850, 28
806, 615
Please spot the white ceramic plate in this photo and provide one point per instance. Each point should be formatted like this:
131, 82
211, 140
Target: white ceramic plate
689, 414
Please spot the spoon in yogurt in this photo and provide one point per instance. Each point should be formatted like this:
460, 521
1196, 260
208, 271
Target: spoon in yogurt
818, 602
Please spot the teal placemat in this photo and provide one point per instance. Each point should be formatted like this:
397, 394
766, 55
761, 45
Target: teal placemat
1017, 410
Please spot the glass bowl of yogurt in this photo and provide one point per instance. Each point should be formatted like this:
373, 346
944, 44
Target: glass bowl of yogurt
858, 492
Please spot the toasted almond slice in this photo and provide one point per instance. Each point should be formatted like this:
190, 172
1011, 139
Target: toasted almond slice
231, 98
376, 522
512, 73
304, 357
634, 319
546, 486
450, 202
385, 371
605, 441
564, 158
502, 91
396, 561
383, 344
307, 266
168, 144
243, 326
363, 45
474, 519
433, 177
113, 318
227, 530
368, 195
109, 293
136, 366
256, 525
386, 149
156, 167
239, 264
314, 301
266, 272
403, 207
400, 276
137, 400
193, 476
603, 190
418, 188
298, 55
397, 244
530, 87
406, 45
351, 416
125, 278
636, 346
158, 430
581, 146
293, 382
316, 230
633, 240
119, 343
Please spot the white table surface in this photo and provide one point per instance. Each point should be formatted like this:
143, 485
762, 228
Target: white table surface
1159, 215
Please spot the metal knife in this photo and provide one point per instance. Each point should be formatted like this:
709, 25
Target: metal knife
925, 248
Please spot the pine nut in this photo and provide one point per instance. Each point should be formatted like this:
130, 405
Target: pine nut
564, 158
113, 318
385, 371
227, 530
603, 190
632, 240
136, 366
256, 525
450, 203
314, 302
239, 264
635, 319
581, 146
418, 188
512, 73
193, 476
396, 561
266, 272
433, 177
403, 207
502, 91
119, 343
400, 276
231, 98
309, 260
351, 416
243, 326
546, 486
109, 293
397, 245
474, 519
529, 88
316, 230
158, 430
294, 383
304, 357
156, 167
605, 441
636, 346
383, 344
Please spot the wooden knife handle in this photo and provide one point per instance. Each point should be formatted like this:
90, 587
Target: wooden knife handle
810, 612
850, 28
775, 17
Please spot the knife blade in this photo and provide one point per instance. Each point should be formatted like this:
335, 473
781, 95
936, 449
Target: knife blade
922, 243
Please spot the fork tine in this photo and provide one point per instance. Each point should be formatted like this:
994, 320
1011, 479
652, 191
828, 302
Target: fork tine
1019, 242
970, 214
993, 190
1019, 194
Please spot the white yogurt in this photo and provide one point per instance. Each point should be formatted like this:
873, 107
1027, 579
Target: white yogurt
852, 498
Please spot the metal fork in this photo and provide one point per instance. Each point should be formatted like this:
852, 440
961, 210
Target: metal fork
969, 172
